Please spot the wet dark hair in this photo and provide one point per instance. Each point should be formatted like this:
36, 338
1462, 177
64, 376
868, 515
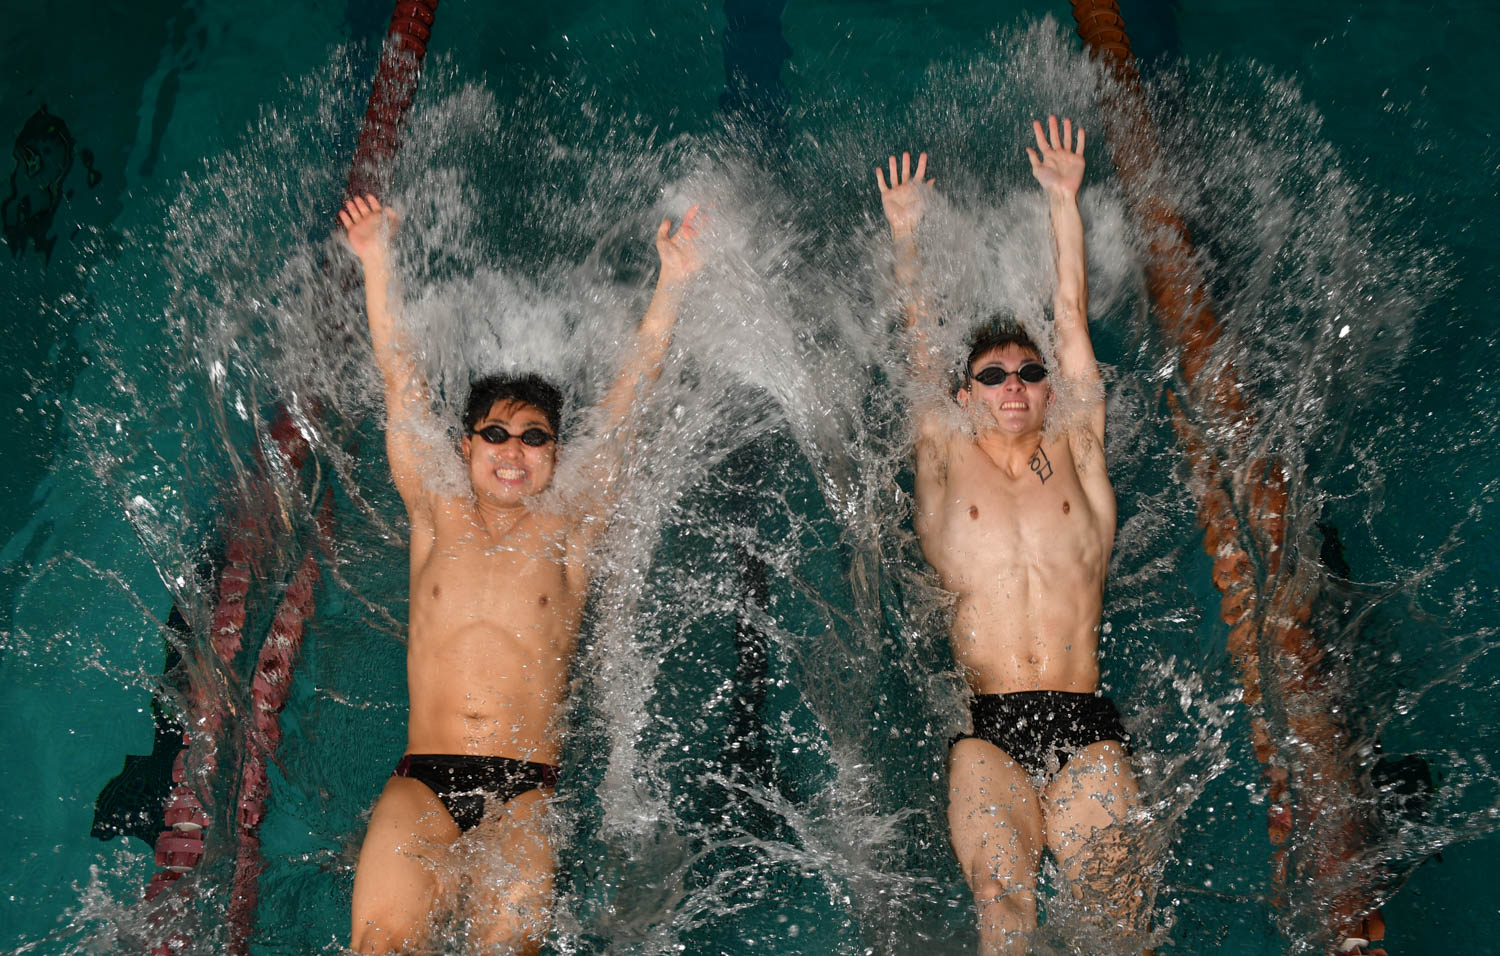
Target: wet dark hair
997, 334
531, 389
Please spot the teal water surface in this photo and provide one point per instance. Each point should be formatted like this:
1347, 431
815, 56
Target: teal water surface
159, 94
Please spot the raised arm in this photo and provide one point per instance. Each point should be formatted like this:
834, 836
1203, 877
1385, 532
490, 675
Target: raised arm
1058, 166
369, 227
680, 261
904, 200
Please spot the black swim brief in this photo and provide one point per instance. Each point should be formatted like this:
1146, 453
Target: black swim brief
1033, 726
463, 783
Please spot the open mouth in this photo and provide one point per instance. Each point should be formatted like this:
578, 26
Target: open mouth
506, 473
1014, 406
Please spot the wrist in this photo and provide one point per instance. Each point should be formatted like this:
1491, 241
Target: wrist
671, 286
375, 259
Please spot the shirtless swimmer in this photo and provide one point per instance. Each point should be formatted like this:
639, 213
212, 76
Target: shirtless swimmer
1019, 524
497, 590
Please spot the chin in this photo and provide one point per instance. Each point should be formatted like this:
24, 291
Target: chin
496, 492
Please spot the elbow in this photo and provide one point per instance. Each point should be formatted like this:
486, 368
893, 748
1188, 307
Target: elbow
1070, 306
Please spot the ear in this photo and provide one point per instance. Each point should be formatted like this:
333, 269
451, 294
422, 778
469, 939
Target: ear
466, 446
1051, 395
964, 394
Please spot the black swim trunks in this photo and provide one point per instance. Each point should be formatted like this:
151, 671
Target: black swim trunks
463, 783
1035, 725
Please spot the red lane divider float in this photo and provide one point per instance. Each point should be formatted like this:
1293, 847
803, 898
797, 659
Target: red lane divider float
1267, 609
181, 847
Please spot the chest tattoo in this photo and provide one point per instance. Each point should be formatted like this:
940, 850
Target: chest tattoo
1041, 465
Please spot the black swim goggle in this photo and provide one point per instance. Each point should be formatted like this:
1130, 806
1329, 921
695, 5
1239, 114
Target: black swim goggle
495, 435
992, 375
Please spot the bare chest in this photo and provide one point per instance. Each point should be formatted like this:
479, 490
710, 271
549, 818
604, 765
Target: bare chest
988, 520
516, 584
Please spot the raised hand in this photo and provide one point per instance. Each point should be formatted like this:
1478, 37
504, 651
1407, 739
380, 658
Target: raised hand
1055, 163
904, 198
680, 256
368, 226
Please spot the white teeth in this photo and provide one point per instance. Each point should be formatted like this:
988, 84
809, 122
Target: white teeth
509, 474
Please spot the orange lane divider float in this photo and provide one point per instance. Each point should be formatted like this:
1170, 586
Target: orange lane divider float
1244, 511
180, 848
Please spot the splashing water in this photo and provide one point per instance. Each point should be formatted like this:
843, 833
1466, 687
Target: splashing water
764, 695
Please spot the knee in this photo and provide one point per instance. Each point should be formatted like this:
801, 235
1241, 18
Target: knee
1012, 905
515, 921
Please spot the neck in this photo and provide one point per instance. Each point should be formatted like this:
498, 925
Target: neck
1007, 450
499, 519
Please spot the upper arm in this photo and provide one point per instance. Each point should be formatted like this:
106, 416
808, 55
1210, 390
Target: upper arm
410, 433
931, 452
1086, 446
1087, 401
411, 450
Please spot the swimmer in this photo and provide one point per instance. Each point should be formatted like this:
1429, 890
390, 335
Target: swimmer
498, 587
1019, 525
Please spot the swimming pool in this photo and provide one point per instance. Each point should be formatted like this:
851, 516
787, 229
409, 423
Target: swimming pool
1403, 105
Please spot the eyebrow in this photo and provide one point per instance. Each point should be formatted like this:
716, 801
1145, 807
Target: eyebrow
1024, 362
523, 421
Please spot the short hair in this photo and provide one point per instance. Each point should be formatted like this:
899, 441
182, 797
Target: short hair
530, 389
997, 334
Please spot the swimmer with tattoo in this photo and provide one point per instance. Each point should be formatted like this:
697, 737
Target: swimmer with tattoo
1019, 524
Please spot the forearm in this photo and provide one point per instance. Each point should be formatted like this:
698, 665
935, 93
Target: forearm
655, 333
383, 307
1071, 299
648, 352
912, 293
1070, 302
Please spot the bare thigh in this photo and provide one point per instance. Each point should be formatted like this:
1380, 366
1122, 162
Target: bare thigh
510, 862
995, 823
1087, 806
397, 881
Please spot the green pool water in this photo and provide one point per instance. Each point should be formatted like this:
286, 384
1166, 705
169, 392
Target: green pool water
155, 91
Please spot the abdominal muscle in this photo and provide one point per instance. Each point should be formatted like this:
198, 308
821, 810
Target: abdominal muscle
479, 690
1029, 594
1028, 644
493, 630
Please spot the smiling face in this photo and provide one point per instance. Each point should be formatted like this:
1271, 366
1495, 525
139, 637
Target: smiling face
1016, 407
507, 473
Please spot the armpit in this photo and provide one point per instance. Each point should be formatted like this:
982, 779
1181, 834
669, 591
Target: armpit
932, 459
1087, 452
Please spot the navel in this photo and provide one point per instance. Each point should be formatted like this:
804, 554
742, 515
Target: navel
543, 600
973, 512
1066, 508
436, 590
